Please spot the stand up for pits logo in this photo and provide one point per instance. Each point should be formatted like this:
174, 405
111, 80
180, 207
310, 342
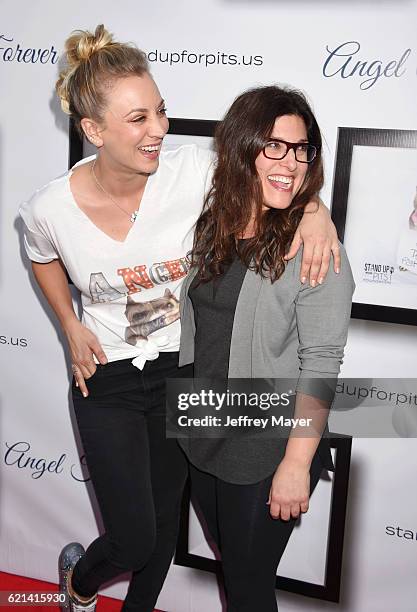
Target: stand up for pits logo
378, 273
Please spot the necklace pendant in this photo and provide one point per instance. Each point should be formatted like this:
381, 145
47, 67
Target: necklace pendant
133, 216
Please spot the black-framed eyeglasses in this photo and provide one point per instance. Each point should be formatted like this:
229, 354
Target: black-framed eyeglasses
277, 149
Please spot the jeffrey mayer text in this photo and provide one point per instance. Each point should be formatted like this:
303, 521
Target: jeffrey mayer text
245, 421
242, 421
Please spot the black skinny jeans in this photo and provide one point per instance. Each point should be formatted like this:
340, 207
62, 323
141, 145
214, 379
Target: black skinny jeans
138, 477
251, 543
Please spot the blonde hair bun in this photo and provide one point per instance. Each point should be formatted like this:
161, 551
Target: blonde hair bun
81, 45
93, 60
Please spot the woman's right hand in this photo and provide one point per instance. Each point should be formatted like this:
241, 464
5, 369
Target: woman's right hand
83, 344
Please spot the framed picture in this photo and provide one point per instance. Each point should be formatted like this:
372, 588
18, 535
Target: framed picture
311, 564
374, 208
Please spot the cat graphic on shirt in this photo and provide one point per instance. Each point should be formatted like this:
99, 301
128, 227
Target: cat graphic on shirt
147, 317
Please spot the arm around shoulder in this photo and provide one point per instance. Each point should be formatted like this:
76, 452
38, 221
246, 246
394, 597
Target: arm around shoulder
323, 315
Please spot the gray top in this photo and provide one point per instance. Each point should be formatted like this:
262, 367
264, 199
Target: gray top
280, 330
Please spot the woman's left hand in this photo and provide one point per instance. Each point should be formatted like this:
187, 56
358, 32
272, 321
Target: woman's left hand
318, 234
290, 490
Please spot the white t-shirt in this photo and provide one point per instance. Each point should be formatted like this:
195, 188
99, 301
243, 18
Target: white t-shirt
129, 290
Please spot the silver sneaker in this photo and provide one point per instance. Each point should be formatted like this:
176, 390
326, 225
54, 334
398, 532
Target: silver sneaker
67, 560
75, 606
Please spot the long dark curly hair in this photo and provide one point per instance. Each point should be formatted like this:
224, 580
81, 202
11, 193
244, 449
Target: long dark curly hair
236, 191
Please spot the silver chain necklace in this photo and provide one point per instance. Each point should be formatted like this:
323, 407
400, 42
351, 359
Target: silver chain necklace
132, 216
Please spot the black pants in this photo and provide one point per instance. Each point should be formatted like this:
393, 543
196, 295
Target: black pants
250, 541
138, 477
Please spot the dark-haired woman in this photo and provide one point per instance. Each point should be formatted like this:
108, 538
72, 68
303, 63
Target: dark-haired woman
245, 314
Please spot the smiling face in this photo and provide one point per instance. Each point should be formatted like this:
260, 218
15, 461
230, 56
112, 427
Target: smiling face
134, 125
281, 179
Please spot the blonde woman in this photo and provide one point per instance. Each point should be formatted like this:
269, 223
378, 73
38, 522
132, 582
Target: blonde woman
120, 224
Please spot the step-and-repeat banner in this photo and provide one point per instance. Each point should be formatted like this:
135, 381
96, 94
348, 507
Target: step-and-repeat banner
357, 63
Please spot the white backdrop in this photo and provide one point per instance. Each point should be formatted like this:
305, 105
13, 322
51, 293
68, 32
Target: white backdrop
43, 504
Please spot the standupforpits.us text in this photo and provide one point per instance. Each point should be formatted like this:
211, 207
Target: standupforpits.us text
218, 58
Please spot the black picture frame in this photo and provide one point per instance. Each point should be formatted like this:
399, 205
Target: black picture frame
348, 138
330, 590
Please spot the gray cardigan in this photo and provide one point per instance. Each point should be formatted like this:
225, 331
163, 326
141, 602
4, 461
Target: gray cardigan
280, 330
